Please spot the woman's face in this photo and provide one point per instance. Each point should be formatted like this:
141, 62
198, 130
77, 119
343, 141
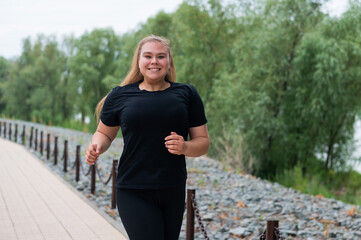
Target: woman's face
154, 61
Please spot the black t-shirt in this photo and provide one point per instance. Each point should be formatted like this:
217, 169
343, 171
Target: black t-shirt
146, 118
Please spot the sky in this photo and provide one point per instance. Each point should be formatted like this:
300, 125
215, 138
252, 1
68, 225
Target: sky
20, 19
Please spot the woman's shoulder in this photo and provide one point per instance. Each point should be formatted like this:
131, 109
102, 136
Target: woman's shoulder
185, 87
122, 89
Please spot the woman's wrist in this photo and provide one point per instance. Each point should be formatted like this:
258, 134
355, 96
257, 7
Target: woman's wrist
184, 147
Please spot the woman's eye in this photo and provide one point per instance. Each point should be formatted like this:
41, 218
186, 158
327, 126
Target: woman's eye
161, 57
147, 57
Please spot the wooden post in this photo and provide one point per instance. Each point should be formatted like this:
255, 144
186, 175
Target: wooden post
77, 163
36, 140
56, 151
270, 232
48, 146
65, 156
41, 142
31, 137
190, 215
23, 135
4, 130
1, 123
16, 132
114, 177
10, 133
92, 183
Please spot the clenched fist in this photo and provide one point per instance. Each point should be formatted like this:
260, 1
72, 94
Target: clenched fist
92, 153
175, 143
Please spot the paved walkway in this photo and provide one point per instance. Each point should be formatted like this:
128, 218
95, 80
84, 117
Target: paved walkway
35, 204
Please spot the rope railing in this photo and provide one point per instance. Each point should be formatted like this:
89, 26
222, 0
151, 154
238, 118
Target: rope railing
271, 232
100, 177
82, 169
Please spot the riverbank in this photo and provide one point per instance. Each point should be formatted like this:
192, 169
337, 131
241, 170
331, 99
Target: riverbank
232, 205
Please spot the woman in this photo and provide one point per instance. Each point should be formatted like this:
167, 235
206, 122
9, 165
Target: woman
155, 115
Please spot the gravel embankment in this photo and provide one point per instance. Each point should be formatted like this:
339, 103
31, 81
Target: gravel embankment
232, 206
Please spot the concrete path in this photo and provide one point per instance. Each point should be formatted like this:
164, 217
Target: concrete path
35, 204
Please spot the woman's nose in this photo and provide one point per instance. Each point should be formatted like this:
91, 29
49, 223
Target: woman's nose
154, 60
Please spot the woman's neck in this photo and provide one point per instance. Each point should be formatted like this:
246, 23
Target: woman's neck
154, 86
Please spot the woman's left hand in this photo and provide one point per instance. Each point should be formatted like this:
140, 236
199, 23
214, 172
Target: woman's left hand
175, 143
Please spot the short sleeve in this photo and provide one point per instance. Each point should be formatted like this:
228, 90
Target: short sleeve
108, 115
197, 116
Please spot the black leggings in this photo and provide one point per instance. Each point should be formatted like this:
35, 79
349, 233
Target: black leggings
152, 214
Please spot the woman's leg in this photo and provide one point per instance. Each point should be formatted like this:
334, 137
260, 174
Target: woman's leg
141, 217
172, 210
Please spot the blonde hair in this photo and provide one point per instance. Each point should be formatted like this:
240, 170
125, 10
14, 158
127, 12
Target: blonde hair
134, 75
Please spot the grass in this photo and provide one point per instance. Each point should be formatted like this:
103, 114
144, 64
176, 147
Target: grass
342, 185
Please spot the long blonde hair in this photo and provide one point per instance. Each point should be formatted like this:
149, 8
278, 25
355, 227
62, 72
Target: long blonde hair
134, 75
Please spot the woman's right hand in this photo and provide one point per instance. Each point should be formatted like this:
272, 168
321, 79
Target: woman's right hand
92, 153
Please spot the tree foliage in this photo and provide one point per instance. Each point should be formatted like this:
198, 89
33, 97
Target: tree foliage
92, 67
280, 79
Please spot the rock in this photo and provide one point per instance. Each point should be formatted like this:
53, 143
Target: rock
209, 217
240, 231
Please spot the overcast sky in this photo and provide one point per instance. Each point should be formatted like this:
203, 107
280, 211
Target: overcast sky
23, 18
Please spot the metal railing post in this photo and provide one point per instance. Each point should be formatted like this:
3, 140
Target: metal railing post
1, 123
92, 183
114, 177
56, 151
23, 136
4, 130
190, 215
270, 232
48, 146
10, 131
31, 137
65, 156
77, 163
36, 140
16, 132
41, 142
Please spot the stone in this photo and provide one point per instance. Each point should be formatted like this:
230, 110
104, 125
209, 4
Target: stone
240, 231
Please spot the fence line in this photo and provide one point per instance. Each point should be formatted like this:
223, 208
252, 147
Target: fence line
271, 232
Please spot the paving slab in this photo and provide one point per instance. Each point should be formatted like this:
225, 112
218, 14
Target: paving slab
36, 204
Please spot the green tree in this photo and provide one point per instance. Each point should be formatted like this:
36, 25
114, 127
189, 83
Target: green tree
326, 89
254, 93
18, 88
4, 75
31, 91
49, 67
294, 92
202, 37
67, 91
92, 66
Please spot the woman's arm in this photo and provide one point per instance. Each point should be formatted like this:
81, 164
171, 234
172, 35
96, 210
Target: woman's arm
197, 145
101, 141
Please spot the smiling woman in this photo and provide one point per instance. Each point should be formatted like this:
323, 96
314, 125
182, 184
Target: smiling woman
156, 116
